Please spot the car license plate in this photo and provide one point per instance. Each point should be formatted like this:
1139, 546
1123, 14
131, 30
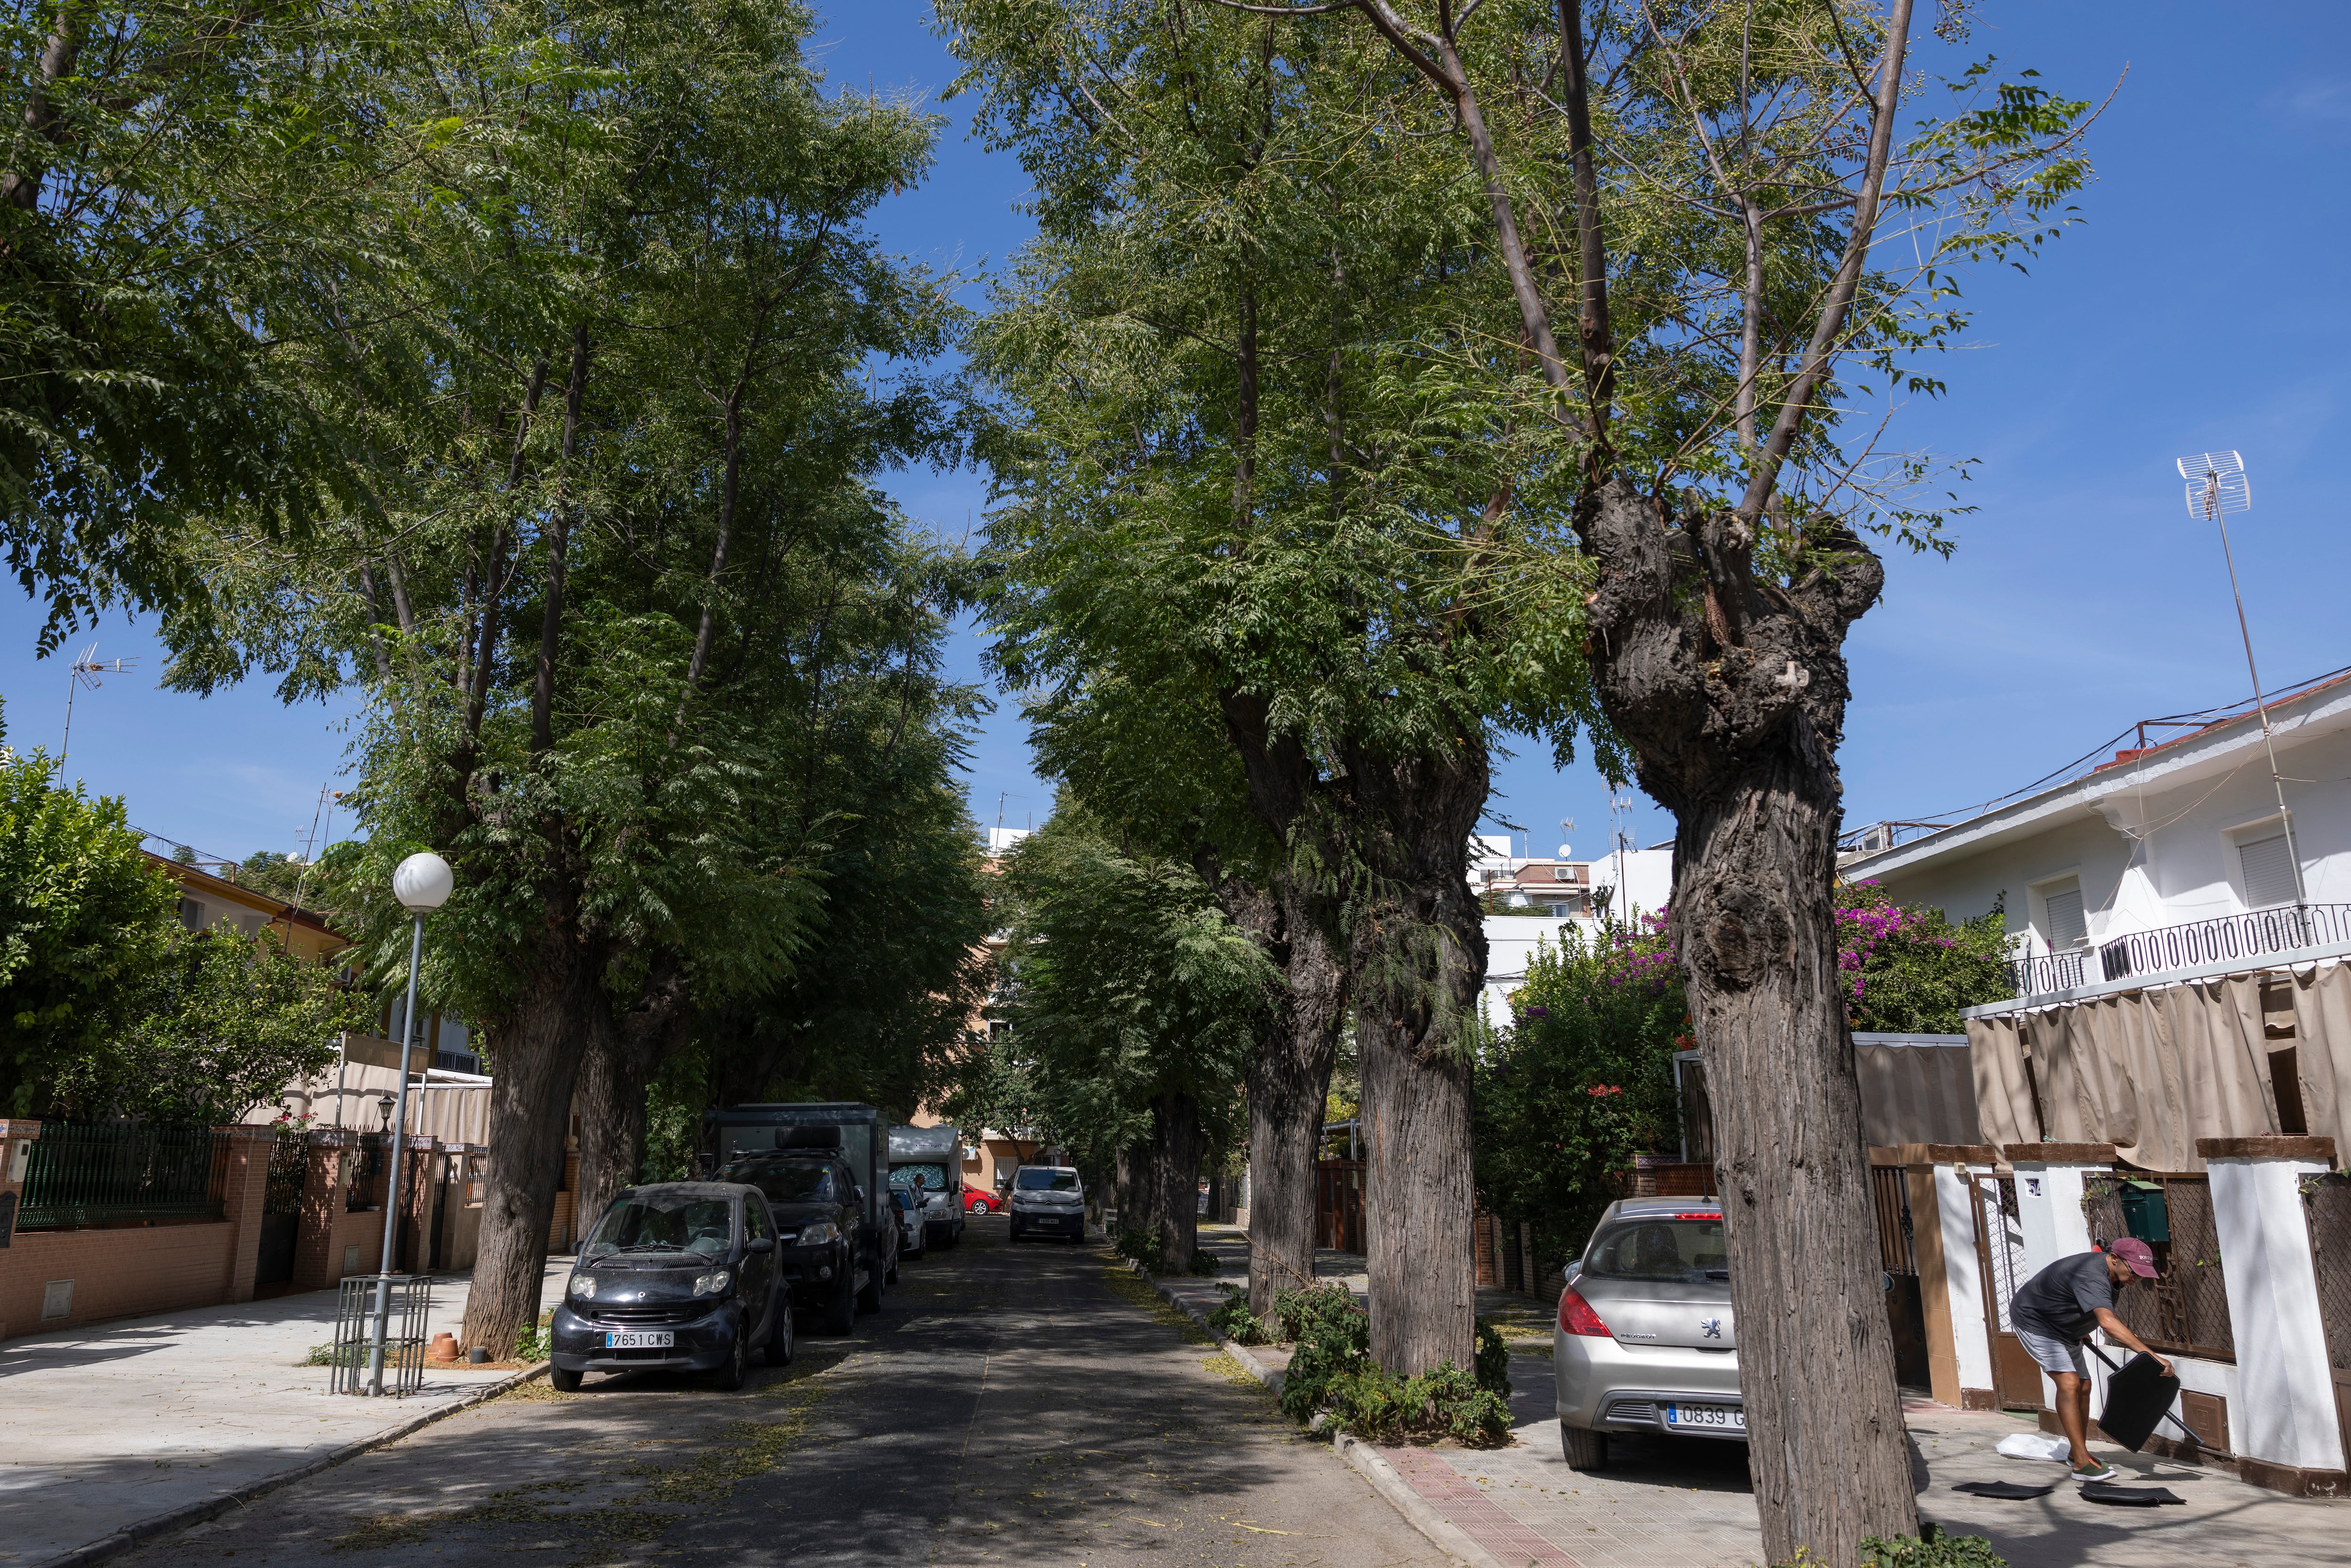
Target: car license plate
1707, 1417
639, 1339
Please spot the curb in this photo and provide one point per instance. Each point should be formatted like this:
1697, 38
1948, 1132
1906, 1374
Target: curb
1443, 1533
1270, 1376
197, 1513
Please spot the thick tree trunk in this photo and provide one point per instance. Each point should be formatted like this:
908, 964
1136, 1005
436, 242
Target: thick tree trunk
1290, 1086
535, 1054
1418, 947
616, 1074
1739, 742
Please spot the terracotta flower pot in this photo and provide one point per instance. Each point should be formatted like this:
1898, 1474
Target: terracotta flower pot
443, 1348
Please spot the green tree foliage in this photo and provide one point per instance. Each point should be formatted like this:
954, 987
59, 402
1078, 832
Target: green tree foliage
652, 659
1136, 1007
1910, 969
225, 1022
82, 921
1582, 1081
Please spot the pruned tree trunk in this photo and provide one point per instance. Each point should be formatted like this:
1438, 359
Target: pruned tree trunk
1173, 1172
1739, 743
1290, 1086
616, 1074
535, 1051
1418, 947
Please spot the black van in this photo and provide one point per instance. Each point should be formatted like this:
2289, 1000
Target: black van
741, 1134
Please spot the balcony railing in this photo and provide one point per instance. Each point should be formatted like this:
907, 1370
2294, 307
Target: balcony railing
2194, 945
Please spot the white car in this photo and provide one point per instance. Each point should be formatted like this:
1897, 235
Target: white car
1049, 1200
1646, 1341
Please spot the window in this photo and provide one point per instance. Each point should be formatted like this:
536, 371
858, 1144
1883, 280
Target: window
2066, 926
2269, 871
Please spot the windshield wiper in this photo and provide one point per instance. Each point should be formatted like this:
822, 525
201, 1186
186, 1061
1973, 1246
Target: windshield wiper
652, 1247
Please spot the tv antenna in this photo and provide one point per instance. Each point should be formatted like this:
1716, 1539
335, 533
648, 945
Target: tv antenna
85, 672
2217, 486
1566, 826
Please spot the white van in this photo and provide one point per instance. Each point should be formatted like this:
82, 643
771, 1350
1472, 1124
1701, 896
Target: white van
931, 1159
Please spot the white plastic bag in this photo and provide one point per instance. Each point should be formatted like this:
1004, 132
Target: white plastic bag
2034, 1445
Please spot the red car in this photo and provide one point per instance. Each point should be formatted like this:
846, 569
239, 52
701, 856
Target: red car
975, 1201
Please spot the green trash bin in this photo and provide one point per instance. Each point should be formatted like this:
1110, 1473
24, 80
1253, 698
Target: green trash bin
2144, 1214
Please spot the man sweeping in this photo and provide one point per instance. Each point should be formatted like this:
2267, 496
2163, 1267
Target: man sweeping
2053, 1316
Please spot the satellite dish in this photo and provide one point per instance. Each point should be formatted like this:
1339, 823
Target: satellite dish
1566, 850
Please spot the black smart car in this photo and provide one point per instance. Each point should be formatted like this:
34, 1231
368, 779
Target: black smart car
824, 1255
678, 1275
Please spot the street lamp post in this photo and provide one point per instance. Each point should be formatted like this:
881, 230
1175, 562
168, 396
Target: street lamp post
421, 883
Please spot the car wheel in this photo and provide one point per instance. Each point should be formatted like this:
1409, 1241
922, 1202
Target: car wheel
840, 1312
954, 1235
1582, 1451
731, 1372
892, 1277
563, 1380
1016, 1233
869, 1299
779, 1338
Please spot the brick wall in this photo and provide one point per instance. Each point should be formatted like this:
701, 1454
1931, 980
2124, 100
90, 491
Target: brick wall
115, 1273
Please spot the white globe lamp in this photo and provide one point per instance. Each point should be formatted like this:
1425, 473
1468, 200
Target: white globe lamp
421, 883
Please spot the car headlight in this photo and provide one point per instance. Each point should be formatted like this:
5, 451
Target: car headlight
583, 1286
822, 1233
713, 1283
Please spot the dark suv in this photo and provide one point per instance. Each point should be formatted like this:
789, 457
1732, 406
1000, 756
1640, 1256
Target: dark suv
677, 1275
825, 1256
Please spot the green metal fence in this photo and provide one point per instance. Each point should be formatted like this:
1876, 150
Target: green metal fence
119, 1172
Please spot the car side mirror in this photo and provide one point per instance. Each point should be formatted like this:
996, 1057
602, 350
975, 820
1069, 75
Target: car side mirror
760, 1244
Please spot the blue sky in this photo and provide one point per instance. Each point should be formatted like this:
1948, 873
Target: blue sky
2193, 310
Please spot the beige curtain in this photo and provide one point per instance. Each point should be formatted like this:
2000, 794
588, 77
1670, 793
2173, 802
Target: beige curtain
2003, 1099
2224, 1065
2149, 1072
2322, 1024
1916, 1093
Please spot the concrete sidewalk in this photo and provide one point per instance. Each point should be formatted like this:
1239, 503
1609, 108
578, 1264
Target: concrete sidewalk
1685, 1503
108, 1427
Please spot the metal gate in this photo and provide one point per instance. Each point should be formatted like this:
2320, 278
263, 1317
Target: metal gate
2326, 1204
1338, 1204
2187, 1312
1889, 1189
2000, 1265
281, 1210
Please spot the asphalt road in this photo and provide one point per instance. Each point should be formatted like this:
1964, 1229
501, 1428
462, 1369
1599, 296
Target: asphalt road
1026, 1405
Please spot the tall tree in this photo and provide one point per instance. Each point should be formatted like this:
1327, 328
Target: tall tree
618, 431
1768, 134
1246, 475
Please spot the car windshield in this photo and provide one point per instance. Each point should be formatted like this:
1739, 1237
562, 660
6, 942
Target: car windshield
786, 1182
1676, 1250
665, 1222
1038, 1178
934, 1177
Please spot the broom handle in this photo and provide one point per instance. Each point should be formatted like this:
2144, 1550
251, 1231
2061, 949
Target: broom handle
2168, 1416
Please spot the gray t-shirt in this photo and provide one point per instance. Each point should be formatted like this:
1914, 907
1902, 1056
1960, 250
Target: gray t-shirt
2062, 1300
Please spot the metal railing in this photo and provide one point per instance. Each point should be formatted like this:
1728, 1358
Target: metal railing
2258, 933
2048, 972
2192, 944
114, 1172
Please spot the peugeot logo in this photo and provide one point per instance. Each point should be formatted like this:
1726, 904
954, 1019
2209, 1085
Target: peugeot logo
1710, 1327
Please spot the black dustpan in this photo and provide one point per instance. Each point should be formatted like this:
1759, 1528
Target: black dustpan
2007, 1491
2137, 1398
2128, 1497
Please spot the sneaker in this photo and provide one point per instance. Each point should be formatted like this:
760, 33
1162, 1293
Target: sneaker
2095, 1471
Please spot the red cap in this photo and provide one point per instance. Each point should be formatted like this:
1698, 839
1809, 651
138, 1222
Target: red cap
2135, 1252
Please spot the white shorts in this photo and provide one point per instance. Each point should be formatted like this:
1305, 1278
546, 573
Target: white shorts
2054, 1355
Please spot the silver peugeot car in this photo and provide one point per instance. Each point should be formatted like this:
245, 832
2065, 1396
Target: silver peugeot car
1645, 1342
